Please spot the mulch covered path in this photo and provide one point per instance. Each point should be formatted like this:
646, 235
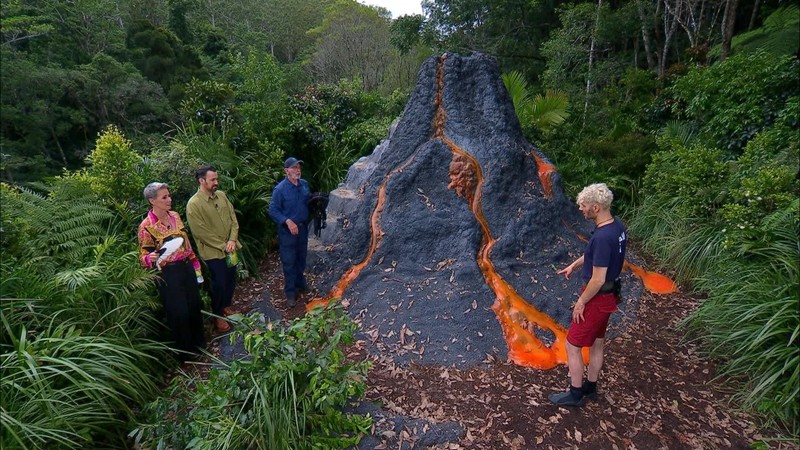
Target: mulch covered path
656, 392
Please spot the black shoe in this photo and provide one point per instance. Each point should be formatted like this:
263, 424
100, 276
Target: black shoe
566, 399
291, 301
589, 391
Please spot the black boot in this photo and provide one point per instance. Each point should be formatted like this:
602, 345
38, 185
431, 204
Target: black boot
573, 397
589, 389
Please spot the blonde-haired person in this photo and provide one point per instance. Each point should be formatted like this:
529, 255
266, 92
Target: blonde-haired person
601, 264
179, 270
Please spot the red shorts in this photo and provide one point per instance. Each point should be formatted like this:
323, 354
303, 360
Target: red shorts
595, 320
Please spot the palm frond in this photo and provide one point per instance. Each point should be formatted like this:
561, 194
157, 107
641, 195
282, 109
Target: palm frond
550, 110
683, 132
517, 88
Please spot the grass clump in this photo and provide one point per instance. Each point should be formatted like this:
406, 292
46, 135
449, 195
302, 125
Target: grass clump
751, 316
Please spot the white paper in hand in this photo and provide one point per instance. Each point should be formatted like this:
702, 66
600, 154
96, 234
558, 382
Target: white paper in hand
169, 247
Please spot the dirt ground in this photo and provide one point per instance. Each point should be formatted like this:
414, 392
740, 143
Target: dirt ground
655, 392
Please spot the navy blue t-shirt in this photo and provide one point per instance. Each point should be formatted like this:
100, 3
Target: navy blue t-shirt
606, 248
290, 202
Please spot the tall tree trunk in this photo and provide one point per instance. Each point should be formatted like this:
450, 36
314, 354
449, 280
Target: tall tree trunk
669, 31
60, 149
212, 18
9, 175
727, 28
591, 61
651, 62
753, 16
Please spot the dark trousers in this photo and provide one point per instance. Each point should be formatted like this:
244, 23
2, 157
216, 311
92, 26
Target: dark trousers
223, 282
180, 297
293, 251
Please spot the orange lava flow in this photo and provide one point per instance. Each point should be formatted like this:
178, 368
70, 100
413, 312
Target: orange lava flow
353, 272
377, 234
653, 281
516, 316
546, 171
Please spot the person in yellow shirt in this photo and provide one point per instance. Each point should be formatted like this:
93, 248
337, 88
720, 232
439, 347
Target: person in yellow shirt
212, 221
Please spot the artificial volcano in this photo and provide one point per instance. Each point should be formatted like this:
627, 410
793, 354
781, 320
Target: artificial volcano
444, 243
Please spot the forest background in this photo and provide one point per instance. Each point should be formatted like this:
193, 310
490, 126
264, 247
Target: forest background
688, 109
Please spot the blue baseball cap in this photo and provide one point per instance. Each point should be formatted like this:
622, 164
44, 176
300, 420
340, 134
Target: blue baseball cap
291, 162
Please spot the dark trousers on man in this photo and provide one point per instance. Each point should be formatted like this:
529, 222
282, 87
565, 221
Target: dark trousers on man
223, 282
180, 297
293, 252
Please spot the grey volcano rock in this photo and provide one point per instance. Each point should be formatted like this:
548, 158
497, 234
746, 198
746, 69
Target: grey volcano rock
421, 295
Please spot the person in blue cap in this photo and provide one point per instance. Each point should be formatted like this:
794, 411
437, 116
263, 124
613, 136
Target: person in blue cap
289, 210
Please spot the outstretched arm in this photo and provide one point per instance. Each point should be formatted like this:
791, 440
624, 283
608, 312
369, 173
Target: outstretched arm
567, 271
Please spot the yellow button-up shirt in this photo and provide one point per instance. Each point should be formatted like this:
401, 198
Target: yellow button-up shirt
212, 221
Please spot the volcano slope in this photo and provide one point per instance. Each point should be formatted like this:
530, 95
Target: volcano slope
444, 243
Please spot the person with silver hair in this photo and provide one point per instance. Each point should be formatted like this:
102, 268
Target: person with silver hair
164, 246
601, 264
289, 210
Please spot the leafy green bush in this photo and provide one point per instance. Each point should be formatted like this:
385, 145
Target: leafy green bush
208, 105
289, 394
362, 137
340, 119
627, 154
114, 173
695, 174
765, 177
734, 100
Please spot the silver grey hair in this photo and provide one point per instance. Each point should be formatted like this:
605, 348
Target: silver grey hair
598, 193
152, 189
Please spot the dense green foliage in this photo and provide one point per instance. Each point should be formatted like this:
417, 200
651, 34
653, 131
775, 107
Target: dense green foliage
731, 102
289, 393
98, 98
77, 352
730, 225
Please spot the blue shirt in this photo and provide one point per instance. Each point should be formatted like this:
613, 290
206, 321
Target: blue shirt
606, 248
290, 202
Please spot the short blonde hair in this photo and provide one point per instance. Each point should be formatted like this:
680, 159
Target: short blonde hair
598, 193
